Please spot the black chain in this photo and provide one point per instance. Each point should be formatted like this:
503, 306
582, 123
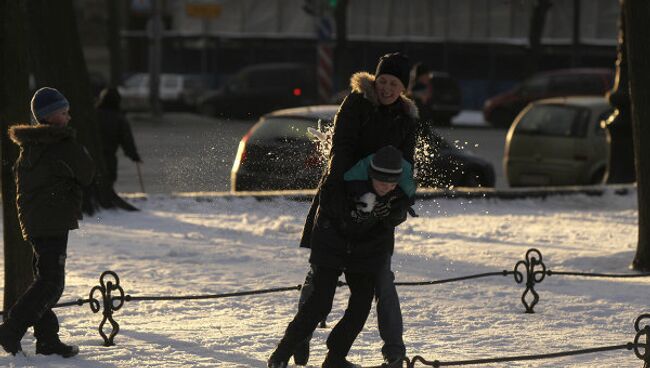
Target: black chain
530, 264
130, 298
438, 363
640, 333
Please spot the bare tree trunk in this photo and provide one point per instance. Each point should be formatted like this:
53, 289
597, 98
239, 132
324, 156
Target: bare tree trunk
14, 108
58, 62
620, 166
114, 45
535, 32
637, 13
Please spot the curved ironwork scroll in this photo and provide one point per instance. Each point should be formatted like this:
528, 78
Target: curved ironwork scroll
533, 259
108, 282
642, 332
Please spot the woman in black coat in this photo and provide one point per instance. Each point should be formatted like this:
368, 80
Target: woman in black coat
115, 133
374, 115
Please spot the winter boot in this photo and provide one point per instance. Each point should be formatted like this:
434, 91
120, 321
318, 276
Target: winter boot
55, 346
393, 362
272, 363
10, 339
301, 354
332, 362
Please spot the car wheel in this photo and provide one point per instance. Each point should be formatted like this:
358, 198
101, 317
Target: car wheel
472, 179
598, 177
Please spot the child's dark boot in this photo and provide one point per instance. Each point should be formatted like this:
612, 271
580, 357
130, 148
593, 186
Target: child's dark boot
55, 346
10, 339
337, 362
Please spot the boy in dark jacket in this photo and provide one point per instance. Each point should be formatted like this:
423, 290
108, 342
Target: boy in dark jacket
50, 172
358, 244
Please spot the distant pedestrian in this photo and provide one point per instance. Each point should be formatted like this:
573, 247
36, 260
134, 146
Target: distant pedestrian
375, 114
420, 89
378, 194
50, 172
115, 133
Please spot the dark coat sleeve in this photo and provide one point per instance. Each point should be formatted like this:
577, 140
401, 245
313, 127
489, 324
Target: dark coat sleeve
347, 126
408, 146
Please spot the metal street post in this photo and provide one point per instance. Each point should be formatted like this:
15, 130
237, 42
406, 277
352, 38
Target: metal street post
155, 46
205, 11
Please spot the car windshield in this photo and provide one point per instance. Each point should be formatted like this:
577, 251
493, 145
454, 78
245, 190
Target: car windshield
554, 120
287, 128
534, 86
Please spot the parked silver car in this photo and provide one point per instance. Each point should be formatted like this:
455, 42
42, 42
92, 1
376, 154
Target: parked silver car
177, 91
558, 141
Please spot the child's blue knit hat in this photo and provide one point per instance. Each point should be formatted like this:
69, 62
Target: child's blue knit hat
46, 101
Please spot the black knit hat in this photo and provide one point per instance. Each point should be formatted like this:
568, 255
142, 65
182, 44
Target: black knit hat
386, 165
395, 64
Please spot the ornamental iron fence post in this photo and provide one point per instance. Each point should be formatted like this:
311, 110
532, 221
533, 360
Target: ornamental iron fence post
105, 288
533, 259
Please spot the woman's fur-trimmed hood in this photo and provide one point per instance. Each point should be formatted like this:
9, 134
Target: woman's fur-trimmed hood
24, 134
364, 83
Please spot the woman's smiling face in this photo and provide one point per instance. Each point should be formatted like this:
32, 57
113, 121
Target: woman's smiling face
388, 88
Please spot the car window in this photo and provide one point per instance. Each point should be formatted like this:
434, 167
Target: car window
576, 84
564, 84
534, 86
554, 120
273, 78
239, 82
591, 84
283, 128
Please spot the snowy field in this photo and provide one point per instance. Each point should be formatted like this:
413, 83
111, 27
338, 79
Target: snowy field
181, 246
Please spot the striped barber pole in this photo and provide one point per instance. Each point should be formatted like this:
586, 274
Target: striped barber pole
325, 59
325, 70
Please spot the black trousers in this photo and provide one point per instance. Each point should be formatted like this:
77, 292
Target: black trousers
318, 305
34, 307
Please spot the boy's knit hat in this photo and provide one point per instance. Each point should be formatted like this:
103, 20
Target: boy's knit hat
395, 64
386, 165
46, 101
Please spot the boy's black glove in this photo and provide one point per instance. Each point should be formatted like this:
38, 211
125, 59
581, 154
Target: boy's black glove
359, 215
382, 209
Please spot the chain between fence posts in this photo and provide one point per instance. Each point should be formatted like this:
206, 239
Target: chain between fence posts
533, 258
640, 333
105, 288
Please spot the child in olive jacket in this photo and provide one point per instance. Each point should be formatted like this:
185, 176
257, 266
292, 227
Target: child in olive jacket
50, 172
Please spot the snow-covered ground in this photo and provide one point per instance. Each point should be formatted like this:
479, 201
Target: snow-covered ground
181, 246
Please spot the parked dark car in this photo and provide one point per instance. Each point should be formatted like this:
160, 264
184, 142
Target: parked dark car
261, 88
277, 153
446, 98
501, 110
